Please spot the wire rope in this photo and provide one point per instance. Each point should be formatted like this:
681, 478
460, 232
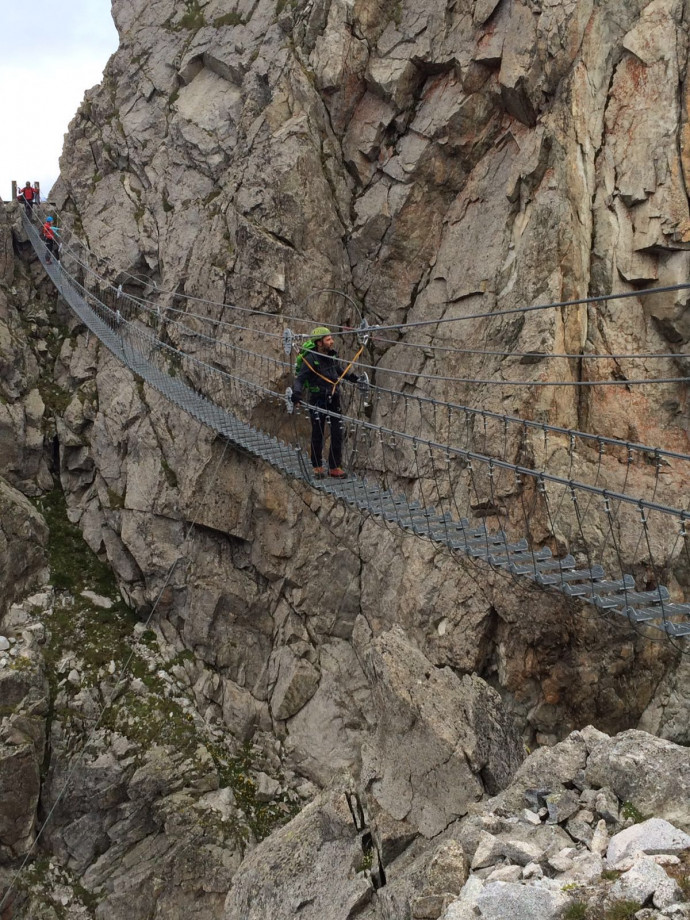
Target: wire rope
377, 329
274, 394
554, 305
539, 355
584, 435
474, 381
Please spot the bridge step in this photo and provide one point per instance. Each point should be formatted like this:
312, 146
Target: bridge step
521, 563
650, 615
659, 596
595, 573
479, 550
594, 588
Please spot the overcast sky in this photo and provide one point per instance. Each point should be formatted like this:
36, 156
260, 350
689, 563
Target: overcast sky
50, 54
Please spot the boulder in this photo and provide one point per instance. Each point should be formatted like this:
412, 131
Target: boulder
642, 882
652, 836
625, 764
447, 871
313, 867
510, 901
439, 742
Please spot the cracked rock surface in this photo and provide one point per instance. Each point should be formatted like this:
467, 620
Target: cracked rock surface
432, 161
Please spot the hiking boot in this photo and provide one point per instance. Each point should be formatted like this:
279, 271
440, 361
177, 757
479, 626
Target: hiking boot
319, 472
337, 473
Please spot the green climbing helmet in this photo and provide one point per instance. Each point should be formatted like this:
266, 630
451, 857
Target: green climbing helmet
308, 348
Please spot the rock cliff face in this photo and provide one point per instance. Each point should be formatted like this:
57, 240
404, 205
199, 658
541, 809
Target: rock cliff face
431, 163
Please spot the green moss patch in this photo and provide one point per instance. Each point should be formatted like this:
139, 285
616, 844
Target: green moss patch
152, 719
228, 19
632, 813
74, 566
193, 19
43, 877
234, 773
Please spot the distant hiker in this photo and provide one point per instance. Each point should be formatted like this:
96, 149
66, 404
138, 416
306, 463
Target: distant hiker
28, 196
49, 234
319, 373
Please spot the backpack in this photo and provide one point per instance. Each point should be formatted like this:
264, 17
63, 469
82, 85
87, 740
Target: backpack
307, 349
308, 346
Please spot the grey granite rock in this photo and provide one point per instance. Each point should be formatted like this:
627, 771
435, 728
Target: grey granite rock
652, 836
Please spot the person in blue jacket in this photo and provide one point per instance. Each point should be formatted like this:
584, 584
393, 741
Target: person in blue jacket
319, 373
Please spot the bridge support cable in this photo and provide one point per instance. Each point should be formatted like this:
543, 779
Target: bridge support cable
228, 404
617, 448
233, 354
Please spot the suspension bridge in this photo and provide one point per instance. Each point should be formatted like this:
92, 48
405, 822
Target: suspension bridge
593, 517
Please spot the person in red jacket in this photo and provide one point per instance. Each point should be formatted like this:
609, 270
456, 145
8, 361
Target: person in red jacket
49, 234
28, 196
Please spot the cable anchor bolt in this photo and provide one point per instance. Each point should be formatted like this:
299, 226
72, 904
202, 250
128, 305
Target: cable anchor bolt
364, 388
364, 332
288, 339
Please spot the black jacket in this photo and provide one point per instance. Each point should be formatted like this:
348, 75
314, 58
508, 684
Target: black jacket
310, 379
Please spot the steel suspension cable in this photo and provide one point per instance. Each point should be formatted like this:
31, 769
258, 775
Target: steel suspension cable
540, 383
443, 320
517, 420
539, 355
491, 314
468, 455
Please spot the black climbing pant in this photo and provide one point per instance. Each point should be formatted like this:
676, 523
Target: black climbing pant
329, 413
52, 247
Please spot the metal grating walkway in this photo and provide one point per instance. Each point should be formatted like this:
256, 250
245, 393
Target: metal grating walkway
618, 596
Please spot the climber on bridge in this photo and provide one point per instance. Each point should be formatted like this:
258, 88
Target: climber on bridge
49, 234
28, 195
319, 372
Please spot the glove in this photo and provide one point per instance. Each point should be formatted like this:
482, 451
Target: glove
295, 399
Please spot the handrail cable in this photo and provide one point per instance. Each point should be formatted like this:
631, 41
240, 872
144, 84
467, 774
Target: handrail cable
151, 307
599, 298
542, 426
460, 452
542, 355
460, 407
490, 314
418, 375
